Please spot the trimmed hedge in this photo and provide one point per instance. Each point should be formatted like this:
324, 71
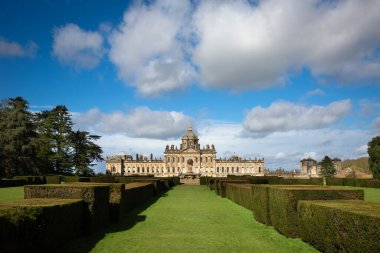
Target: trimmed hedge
39, 225
32, 179
96, 198
117, 202
260, 203
102, 179
71, 179
340, 226
295, 181
221, 185
53, 179
241, 194
138, 193
12, 182
283, 203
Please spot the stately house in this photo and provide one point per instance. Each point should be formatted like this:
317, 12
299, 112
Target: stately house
310, 167
189, 158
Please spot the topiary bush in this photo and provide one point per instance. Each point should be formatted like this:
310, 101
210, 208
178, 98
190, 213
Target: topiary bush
221, 185
39, 225
340, 226
56, 179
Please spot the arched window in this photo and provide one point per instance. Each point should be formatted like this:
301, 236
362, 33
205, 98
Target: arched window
232, 169
138, 169
228, 170
147, 170
217, 169
237, 169
168, 159
259, 169
142, 169
222, 169
113, 169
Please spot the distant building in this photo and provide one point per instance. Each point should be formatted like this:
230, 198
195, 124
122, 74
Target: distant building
189, 158
310, 167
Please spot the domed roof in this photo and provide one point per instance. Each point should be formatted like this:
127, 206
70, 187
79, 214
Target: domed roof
189, 134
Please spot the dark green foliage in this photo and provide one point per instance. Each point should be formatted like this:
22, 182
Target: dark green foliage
32, 179
55, 147
102, 179
241, 194
96, 198
85, 152
221, 185
203, 180
260, 203
340, 226
18, 139
327, 167
283, 203
374, 156
53, 179
39, 225
296, 181
12, 182
138, 193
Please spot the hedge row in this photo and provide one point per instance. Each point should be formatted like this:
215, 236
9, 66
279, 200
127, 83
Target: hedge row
340, 226
241, 194
24, 229
12, 182
221, 184
39, 225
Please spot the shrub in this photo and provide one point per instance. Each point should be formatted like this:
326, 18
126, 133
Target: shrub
39, 225
32, 179
241, 194
221, 185
203, 180
296, 181
138, 193
283, 203
260, 203
96, 198
53, 179
102, 179
340, 226
12, 182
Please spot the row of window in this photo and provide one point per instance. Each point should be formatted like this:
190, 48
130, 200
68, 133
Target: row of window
182, 159
173, 170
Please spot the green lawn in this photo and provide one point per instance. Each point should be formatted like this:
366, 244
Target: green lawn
11, 193
190, 219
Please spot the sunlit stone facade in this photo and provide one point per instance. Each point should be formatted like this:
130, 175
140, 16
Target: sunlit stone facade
189, 158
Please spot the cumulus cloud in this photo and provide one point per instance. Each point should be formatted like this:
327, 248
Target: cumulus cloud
242, 45
76, 47
14, 49
148, 47
315, 92
285, 116
139, 122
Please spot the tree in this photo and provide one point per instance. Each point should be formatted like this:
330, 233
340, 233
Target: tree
85, 152
327, 167
374, 156
18, 138
55, 146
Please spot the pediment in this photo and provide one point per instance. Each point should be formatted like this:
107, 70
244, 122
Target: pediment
190, 150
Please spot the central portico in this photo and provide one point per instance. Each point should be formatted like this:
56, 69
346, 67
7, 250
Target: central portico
190, 158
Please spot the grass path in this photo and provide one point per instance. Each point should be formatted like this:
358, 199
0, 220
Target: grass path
11, 193
189, 219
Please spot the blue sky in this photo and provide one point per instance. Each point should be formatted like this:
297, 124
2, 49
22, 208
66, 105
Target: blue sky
276, 79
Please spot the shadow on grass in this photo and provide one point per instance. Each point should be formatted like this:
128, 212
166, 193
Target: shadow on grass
129, 220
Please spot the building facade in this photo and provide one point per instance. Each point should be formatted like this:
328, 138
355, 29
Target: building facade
310, 167
188, 159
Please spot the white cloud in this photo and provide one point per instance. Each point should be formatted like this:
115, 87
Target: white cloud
285, 116
376, 126
362, 149
243, 45
14, 49
78, 48
315, 92
139, 122
148, 47
280, 155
